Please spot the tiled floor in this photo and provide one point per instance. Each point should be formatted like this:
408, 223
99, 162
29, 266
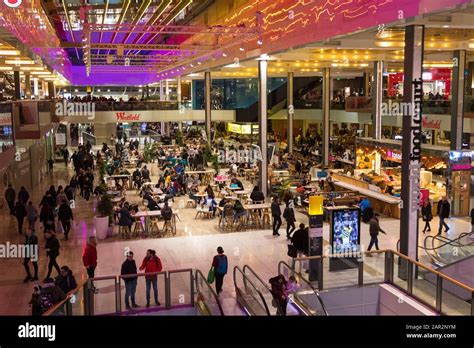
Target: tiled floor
193, 247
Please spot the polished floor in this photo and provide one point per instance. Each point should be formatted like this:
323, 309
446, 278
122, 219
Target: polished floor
193, 247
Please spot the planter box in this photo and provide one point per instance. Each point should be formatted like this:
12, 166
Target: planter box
101, 227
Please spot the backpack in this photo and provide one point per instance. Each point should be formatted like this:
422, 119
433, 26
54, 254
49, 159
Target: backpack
222, 264
45, 301
167, 213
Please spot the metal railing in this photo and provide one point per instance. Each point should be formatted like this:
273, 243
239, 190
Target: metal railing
306, 297
207, 299
434, 289
464, 245
249, 295
73, 299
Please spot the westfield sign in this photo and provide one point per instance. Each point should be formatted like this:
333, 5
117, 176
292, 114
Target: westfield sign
121, 116
434, 124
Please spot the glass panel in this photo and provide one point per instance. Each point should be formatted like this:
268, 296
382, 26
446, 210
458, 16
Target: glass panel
424, 287
180, 288
249, 294
104, 299
374, 268
399, 273
140, 295
455, 300
207, 295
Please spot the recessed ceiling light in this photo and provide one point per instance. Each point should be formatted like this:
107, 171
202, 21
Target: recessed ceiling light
445, 26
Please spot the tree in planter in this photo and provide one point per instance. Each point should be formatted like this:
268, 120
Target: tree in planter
215, 163
179, 138
102, 170
207, 154
105, 207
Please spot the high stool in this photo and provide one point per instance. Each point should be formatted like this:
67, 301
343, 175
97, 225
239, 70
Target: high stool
154, 229
167, 227
124, 231
138, 229
190, 203
266, 221
255, 218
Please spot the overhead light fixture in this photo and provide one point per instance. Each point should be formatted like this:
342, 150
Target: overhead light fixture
108, 90
242, 48
19, 61
9, 53
199, 63
224, 54
259, 41
140, 90
445, 26
98, 90
76, 90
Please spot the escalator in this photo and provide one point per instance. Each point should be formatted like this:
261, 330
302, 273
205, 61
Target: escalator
254, 296
443, 251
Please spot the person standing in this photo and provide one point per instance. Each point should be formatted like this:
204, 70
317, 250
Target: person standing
129, 267
52, 249
31, 243
151, 263
47, 217
23, 195
443, 210
66, 280
278, 290
10, 195
374, 229
89, 259
276, 214
65, 216
31, 215
330, 182
300, 240
427, 215
289, 216
20, 213
220, 264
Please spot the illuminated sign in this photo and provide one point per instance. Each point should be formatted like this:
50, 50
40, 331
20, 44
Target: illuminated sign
12, 3
121, 116
394, 156
433, 124
242, 128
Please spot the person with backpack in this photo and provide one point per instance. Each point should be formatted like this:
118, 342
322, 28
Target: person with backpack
66, 280
167, 212
31, 215
129, 267
276, 214
220, 265
65, 216
31, 242
52, 250
49, 295
289, 216
10, 195
280, 295
89, 259
151, 263
20, 213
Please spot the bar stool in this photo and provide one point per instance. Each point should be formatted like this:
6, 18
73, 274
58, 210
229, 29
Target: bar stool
138, 229
255, 218
167, 227
266, 221
124, 231
154, 229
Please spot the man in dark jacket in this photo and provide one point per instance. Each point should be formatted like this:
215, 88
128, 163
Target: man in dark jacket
23, 195
32, 242
374, 229
300, 240
65, 216
444, 208
276, 214
125, 217
50, 295
52, 249
66, 281
129, 267
20, 213
10, 195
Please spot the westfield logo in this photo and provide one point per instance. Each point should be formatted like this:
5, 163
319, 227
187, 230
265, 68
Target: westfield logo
435, 124
121, 116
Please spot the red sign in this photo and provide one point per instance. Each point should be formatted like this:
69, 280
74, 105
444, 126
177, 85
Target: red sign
130, 117
12, 3
433, 124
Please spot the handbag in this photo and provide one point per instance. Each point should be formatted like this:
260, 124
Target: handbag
211, 276
292, 251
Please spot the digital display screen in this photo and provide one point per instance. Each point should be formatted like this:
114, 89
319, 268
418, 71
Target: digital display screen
460, 160
345, 230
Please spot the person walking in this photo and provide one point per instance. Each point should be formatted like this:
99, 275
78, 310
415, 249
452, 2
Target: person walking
31, 215
10, 195
52, 250
151, 263
374, 229
31, 243
129, 267
276, 214
23, 195
278, 290
443, 210
427, 215
289, 216
47, 217
66, 280
20, 213
300, 240
89, 259
65, 216
220, 264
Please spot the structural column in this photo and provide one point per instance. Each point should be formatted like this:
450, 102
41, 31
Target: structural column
326, 114
35, 87
167, 90
290, 110
262, 125
457, 102
377, 90
16, 81
51, 90
207, 101
411, 145
180, 107
162, 94
366, 77
28, 85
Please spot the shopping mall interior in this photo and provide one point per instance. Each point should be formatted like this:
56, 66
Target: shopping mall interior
237, 158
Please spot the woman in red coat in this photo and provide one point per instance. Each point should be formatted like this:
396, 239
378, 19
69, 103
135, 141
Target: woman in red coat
89, 258
151, 263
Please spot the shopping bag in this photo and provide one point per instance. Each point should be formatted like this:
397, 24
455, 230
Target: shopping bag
211, 276
292, 251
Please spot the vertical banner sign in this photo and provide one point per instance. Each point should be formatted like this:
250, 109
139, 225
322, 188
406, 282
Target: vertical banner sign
315, 234
411, 146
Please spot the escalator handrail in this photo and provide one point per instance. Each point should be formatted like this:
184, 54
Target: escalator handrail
237, 268
307, 283
200, 274
443, 242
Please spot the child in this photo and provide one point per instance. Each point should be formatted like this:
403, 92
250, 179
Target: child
292, 285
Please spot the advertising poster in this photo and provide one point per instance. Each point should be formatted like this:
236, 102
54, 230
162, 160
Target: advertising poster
344, 239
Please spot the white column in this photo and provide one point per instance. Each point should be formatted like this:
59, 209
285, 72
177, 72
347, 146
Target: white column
167, 90
35, 87
262, 124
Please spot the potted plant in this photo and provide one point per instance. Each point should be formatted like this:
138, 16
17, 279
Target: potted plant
103, 219
215, 163
179, 138
207, 154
